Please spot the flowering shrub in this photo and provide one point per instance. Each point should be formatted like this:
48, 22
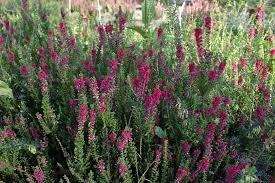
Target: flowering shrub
188, 109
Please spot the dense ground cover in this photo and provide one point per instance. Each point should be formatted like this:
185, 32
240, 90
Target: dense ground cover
117, 103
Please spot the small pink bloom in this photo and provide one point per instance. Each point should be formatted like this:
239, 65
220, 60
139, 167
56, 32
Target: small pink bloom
170, 156
199, 131
185, 146
11, 56
181, 173
207, 23
109, 29
39, 176
222, 66
272, 52
112, 136
240, 82
72, 42
216, 102
203, 165
7, 121
265, 72
150, 52
264, 136
160, 32
101, 166
235, 66
258, 65
1, 40
158, 154
231, 173
42, 75
179, 53
260, 112
212, 75
192, 68
34, 133
126, 135
121, 22
196, 153
227, 100
122, 169
243, 64
121, 145
260, 11
24, 71
251, 33
79, 84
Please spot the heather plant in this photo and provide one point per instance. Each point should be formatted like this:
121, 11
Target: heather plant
182, 103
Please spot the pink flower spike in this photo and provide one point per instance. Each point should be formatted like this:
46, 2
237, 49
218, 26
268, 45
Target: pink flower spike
39, 176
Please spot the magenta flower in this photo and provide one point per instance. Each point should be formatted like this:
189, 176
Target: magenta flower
101, 166
179, 52
260, 112
112, 136
240, 82
272, 52
109, 29
260, 11
181, 173
185, 146
73, 103
82, 117
217, 101
72, 42
120, 53
89, 67
158, 155
93, 54
34, 133
170, 156
54, 56
7, 121
227, 100
126, 135
199, 131
212, 75
38, 176
122, 169
258, 65
63, 29
207, 23
160, 32
101, 33
243, 64
196, 153
24, 71
235, 67
1, 40
121, 22
222, 67
251, 33
150, 52
121, 145
231, 173
11, 56
203, 165
192, 68
265, 72
79, 84
42, 76
64, 62
7, 133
